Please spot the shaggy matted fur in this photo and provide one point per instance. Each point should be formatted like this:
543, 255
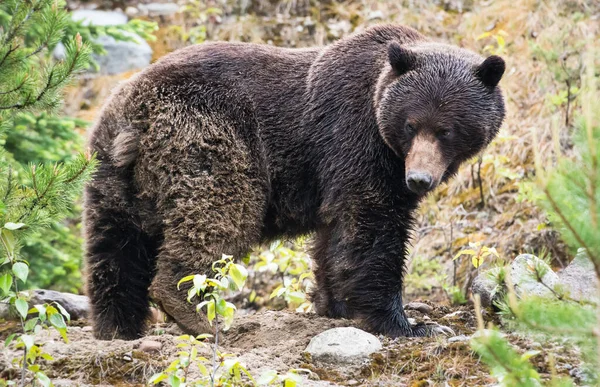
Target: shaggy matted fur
219, 147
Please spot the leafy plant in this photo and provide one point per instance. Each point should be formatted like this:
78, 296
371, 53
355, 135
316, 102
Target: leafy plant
225, 369
292, 267
478, 253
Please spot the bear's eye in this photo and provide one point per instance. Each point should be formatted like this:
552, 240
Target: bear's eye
410, 129
445, 133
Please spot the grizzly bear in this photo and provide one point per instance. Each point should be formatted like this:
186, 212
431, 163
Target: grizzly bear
220, 147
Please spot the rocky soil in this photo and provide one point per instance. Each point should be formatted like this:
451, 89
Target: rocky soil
279, 340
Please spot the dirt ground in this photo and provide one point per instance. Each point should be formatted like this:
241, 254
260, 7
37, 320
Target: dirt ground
276, 340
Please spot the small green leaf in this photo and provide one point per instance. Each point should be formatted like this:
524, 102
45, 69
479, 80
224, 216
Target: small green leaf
476, 261
57, 321
30, 324
184, 279
63, 334
22, 307
296, 297
43, 379
464, 252
157, 378
238, 275
5, 283
13, 226
41, 309
221, 307
63, 311
21, 270
9, 340
174, 381
203, 370
210, 312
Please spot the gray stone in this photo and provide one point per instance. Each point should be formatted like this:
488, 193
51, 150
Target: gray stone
159, 9
419, 306
123, 56
99, 18
132, 11
523, 276
77, 306
486, 287
579, 279
120, 56
150, 346
343, 346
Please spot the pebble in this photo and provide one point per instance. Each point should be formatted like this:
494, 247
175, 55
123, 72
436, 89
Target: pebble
150, 346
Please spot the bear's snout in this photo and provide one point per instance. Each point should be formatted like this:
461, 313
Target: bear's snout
419, 182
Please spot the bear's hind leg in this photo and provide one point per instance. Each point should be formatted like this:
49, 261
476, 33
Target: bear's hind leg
212, 202
119, 257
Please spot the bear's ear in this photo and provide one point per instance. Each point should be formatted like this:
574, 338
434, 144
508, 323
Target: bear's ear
491, 70
401, 59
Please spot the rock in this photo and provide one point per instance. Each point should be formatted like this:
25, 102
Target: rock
522, 274
457, 339
419, 306
87, 328
123, 56
159, 9
77, 306
132, 11
486, 287
120, 56
99, 18
343, 345
150, 346
579, 279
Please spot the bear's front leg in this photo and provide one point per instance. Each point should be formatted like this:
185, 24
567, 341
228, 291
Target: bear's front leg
361, 272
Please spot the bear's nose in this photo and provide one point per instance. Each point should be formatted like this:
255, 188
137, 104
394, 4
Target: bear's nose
419, 182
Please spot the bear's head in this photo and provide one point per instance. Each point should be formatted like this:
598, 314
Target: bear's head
437, 106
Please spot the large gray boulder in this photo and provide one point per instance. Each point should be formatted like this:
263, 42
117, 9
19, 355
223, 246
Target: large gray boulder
579, 279
76, 305
522, 272
346, 345
121, 56
523, 275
